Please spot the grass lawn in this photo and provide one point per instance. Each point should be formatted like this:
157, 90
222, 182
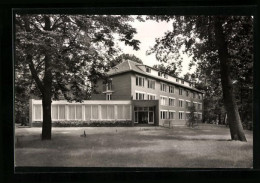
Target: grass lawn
207, 146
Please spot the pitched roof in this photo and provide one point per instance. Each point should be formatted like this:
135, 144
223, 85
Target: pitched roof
125, 66
128, 65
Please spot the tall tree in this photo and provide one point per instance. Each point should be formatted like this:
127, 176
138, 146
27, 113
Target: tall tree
63, 51
214, 42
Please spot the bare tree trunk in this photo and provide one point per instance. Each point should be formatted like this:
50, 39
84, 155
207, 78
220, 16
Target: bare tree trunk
46, 101
46, 124
235, 124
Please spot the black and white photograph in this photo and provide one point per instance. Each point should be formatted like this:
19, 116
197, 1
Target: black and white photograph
145, 91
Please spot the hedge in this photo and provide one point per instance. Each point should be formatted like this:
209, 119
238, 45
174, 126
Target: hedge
85, 123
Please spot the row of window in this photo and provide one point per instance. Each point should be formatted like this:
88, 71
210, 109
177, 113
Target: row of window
163, 87
180, 102
167, 101
76, 112
164, 114
140, 96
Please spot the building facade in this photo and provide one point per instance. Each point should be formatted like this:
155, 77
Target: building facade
157, 98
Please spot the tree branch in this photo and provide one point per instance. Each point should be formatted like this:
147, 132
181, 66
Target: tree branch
34, 73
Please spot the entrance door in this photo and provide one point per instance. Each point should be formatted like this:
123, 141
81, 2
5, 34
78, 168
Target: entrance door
143, 117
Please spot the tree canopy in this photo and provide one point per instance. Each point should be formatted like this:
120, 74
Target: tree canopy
222, 49
64, 52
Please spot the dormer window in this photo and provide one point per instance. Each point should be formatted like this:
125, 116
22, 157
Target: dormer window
165, 76
182, 82
148, 69
190, 84
177, 80
159, 74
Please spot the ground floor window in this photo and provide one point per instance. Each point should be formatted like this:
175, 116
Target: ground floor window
163, 114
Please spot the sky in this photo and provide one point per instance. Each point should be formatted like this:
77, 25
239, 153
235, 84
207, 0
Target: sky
146, 33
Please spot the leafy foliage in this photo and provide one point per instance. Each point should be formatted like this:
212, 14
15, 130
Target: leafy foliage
79, 47
170, 69
196, 36
123, 57
61, 55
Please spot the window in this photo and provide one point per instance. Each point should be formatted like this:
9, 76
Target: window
199, 116
163, 87
194, 104
107, 86
108, 96
182, 82
37, 111
163, 114
54, 112
159, 74
187, 93
163, 100
171, 101
180, 91
199, 96
61, 111
177, 80
75, 112
180, 103
94, 112
199, 106
139, 81
171, 89
171, 114
181, 116
150, 97
148, 69
151, 83
139, 96
165, 76
194, 95
190, 84
187, 103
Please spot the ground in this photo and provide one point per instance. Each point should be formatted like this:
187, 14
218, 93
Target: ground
207, 146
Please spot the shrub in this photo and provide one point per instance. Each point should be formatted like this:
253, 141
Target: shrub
86, 123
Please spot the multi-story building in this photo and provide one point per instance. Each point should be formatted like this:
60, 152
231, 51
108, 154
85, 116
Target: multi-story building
157, 97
